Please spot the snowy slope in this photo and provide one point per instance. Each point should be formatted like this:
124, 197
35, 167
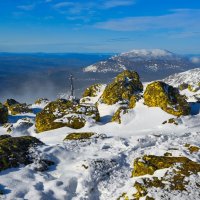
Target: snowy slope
100, 168
190, 77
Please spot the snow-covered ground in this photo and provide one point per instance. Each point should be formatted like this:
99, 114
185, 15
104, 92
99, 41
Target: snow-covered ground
100, 168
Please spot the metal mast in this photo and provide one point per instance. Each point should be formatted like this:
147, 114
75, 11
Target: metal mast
71, 84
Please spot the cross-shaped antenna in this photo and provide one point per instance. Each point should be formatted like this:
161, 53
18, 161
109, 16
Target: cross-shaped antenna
71, 78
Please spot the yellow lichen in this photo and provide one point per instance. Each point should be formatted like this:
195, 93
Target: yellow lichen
79, 136
159, 94
117, 116
122, 88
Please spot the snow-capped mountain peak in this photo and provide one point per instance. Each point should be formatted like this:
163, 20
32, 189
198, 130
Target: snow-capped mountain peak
154, 63
156, 53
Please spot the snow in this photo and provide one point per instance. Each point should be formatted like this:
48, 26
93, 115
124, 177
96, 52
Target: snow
91, 68
191, 77
100, 168
148, 53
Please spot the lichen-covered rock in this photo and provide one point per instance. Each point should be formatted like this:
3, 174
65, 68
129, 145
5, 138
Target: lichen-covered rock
15, 107
42, 101
183, 86
3, 114
118, 114
159, 94
92, 91
192, 88
192, 149
79, 136
2, 137
171, 121
15, 151
133, 101
10, 102
122, 88
62, 113
178, 169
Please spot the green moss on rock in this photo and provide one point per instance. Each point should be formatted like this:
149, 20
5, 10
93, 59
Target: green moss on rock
159, 94
183, 86
15, 151
2, 137
92, 91
3, 114
17, 108
122, 88
79, 136
133, 101
41, 100
62, 113
192, 88
148, 164
171, 121
117, 116
192, 149
177, 169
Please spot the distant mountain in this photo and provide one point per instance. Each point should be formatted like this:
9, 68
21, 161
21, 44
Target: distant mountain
191, 77
150, 64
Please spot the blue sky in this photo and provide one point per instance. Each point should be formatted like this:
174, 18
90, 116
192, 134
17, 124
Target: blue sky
99, 26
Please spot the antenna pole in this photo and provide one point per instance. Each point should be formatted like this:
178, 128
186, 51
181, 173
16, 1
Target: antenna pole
72, 85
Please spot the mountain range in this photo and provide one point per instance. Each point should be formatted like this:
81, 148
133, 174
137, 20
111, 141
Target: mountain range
150, 64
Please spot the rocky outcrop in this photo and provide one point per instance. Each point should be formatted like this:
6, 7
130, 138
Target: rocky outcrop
3, 114
14, 151
178, 174
92, 91
174, 179
124, 86
160, 94
62, 113
15, 107
79, 136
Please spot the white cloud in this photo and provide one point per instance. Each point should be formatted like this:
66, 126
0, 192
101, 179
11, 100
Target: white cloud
177, 19
64, 4
89, 7
26, 7
117, 3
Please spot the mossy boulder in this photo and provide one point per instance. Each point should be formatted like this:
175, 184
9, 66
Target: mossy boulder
174, 179
93, 90
79, 136
15, 107
61, 113
118, 114
3, 114
15, 150
122, 88
160, 94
